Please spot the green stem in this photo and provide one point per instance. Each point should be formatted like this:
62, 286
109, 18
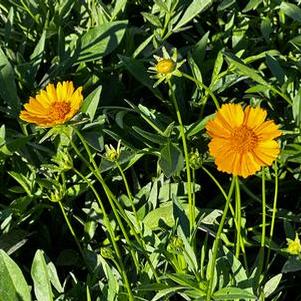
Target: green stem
128, 193
274, 208
124, 232
111, 197
186, 155
201, 85
263, 229
242, 243
217, 241
71, 229
237, 217
111, 233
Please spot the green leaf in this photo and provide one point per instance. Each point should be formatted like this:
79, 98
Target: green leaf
275, 68
238, 271
137, 69
41, 279
54, 278
225, 4
153, 19
36, 58
22, 180
150, 136
12, 282
194, 67
271, 285
8, 89
192, 11
164, 214
99, 41
244, 69
252, 4
291, 10
230, 293
119, 6
166, 291
199, 50
171, 160
91, 103
217, 67
198, 126
266, 28
142, 46
296, 107
184, 280
293, 264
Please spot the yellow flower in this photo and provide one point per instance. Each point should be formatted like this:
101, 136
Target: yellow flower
54, 105
166, 66
294, 246
242, 141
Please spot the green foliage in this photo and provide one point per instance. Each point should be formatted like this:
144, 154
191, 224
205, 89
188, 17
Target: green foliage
75, 225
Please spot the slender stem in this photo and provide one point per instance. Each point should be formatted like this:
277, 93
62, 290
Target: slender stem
193, 187
237, 216
217, 240
263, 228
124, 232
112, 236
71, 229
242, 243
274, 208
111, 197
201, 85
128, 193
186, 155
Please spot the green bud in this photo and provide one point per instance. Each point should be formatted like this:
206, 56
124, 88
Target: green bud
111, 153
195, 159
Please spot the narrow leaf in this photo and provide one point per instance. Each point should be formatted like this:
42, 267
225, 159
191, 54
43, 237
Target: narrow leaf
192, 11
40, 276
12, 282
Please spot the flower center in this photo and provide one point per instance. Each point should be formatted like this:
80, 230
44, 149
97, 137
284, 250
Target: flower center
166, 66
243, 139
59, 110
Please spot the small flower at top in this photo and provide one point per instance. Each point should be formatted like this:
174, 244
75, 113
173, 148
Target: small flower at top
242, 141
293, 246
111, 153
54, 105
166, 66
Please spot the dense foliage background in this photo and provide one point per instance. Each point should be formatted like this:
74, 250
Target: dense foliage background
245, 52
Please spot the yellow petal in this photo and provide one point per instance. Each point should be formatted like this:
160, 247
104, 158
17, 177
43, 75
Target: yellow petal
254, 117
232, 114
268, 130
216, 128
51, 91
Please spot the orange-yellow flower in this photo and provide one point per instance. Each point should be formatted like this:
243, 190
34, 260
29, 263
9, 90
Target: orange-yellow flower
54, 105
242, 141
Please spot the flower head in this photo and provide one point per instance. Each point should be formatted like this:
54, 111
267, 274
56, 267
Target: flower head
166, 66
111, 153
54, 105
242, 141
195, 159
293, 246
